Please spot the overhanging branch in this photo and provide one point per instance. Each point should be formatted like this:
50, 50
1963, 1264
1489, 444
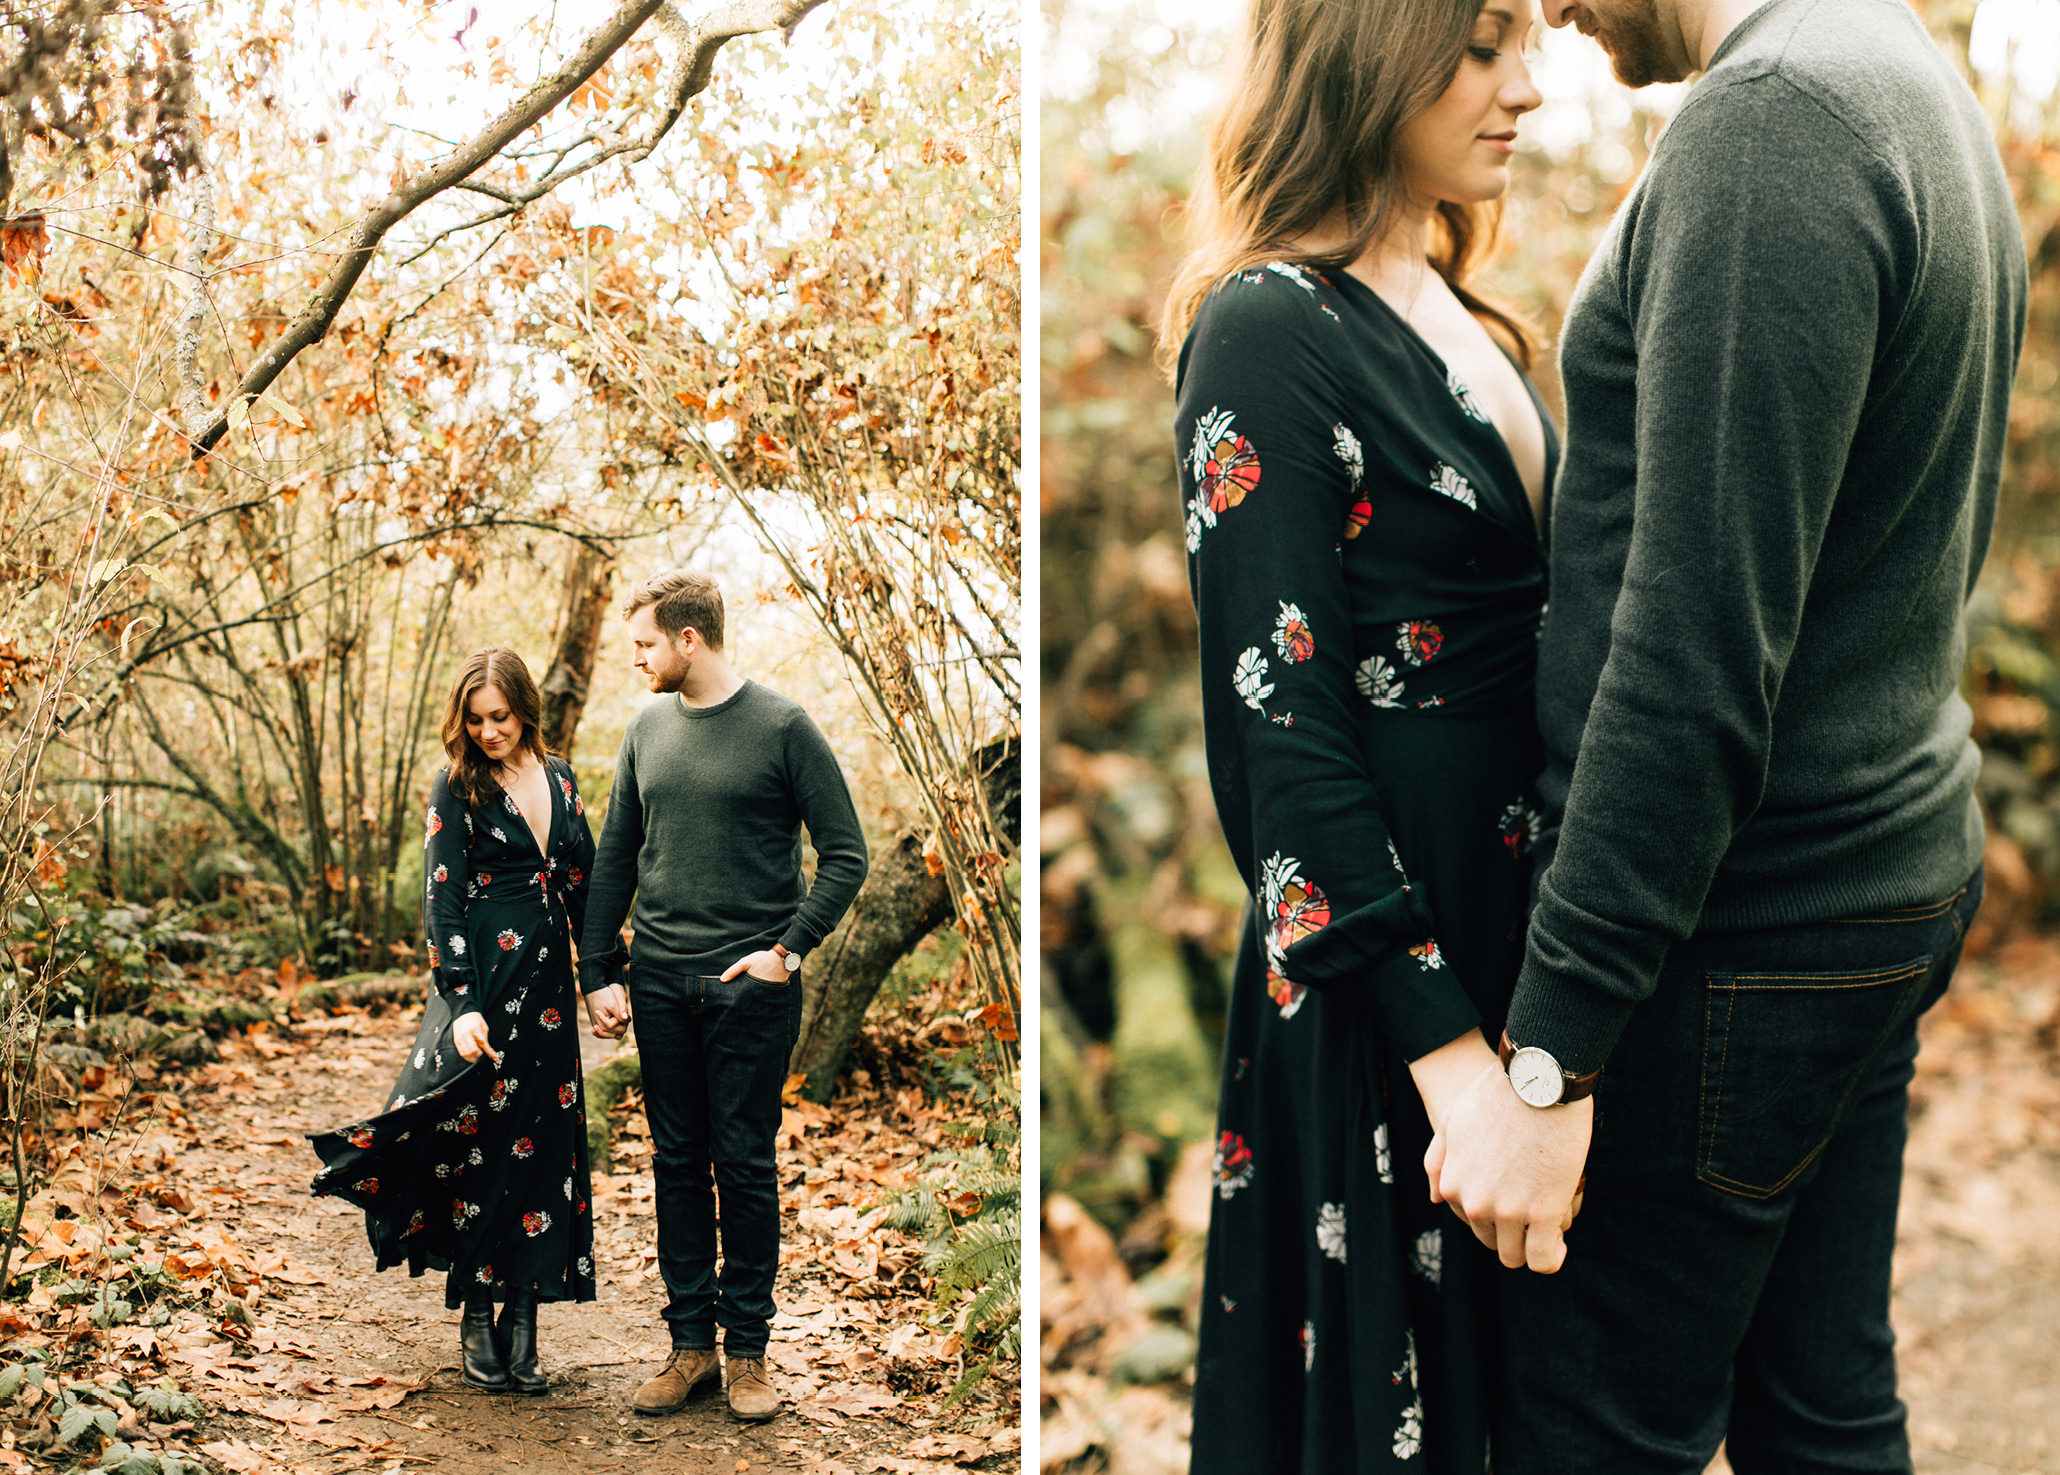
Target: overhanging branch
722, 24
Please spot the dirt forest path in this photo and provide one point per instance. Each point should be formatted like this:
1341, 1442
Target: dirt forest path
343, 1369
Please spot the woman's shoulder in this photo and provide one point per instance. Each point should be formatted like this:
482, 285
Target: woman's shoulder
1274, 298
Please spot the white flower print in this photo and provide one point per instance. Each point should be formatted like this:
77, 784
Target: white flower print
1292, 637
475, 1157
1465, 396
1308, 1346
1428, 1258
1428, 954
495, 831
421, 1058
1218, 425
456, 943
1198, 517
1325, 309
1277, 874
1383, 1164
1409, 1433
586, 1265
1451, 484
568, 1190
1294, 274
1250, 678
1347, 447
1330, 1231
1395, 859
443, 1170
1376, 681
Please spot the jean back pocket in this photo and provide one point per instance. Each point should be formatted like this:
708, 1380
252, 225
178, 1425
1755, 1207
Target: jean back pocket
1782, 1054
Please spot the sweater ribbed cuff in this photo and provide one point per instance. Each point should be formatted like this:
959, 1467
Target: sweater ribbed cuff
1576, 1023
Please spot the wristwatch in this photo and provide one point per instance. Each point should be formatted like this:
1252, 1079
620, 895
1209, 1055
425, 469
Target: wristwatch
791, 960
1539, 1080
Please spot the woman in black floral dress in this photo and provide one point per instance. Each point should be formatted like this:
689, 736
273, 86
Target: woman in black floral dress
1363, 466
479, 1165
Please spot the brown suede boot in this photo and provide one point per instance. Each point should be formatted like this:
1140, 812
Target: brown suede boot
674, 1384
751, 1394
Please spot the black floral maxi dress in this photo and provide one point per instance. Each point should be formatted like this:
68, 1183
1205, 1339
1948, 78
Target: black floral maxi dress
1369, 581
477, 1169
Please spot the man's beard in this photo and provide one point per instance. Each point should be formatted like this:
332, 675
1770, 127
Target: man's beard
1637, 54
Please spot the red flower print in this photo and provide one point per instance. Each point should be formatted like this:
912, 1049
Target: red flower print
359, 1137
549, 1019
579, 877
1426, 953
580, 1207
524, 1147
565, 787
1233, 1164
1357, 519
579, 806
442, 873
1295, 908
485, 879
1230, 474
535, 1223
498, 1096
366, 1185
1292, 636
565, 1094
435, 958
468, 1121
435, 825
485, 1275
1418, 640
414, 1225
509, 939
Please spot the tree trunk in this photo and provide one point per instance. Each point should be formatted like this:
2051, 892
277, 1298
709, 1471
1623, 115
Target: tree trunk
580, 623
900, 904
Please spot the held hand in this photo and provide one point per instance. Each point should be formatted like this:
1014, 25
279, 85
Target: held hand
1448, 1070
767, 967
469, 1035
1511, 1171
608, 1012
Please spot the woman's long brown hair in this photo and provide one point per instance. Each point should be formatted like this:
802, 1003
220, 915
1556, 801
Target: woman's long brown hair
1308, 140
473, 778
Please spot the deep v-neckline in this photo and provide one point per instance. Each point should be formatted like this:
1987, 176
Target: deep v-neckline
1535, 521
541, 842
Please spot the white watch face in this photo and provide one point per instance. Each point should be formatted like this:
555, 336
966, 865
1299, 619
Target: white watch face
1536, 1077
793, 962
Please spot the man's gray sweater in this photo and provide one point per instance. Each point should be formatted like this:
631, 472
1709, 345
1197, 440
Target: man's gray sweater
1787, 373
704, 829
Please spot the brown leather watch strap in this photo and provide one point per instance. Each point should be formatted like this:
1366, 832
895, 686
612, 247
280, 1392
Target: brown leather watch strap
1572, 1088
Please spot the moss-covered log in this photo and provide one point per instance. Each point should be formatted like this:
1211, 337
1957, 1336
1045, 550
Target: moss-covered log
604, 1089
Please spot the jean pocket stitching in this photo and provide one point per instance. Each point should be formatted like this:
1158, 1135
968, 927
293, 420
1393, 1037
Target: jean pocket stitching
1727, 984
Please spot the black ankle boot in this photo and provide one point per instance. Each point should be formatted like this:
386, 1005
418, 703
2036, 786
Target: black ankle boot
517, 1337
479, 1359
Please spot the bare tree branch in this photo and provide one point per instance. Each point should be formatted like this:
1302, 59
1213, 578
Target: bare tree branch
724, 23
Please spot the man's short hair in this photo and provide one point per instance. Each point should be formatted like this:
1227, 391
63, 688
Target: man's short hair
680, 599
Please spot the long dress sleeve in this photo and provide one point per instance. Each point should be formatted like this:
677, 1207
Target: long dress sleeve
1271, 482
446, 873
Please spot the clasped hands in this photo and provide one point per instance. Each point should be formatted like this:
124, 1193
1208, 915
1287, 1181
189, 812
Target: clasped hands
1512, 1172
608, 1008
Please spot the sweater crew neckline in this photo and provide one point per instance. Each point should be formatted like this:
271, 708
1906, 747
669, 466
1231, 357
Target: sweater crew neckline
719, 708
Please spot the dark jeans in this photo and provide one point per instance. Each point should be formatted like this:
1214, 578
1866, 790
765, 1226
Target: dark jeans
715, 1059
1729, 1273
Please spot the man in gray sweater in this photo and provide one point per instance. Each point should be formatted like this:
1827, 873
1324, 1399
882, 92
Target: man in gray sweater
1787, 372
712, 789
